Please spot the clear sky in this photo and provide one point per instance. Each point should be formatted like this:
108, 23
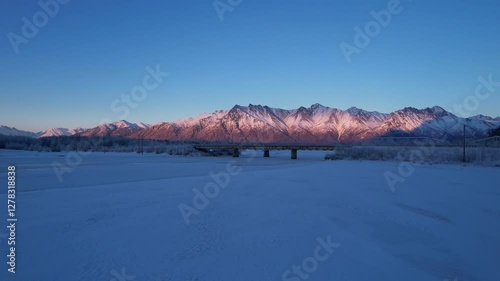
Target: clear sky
278, 53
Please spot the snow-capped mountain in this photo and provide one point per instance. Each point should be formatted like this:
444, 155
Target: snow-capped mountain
121, 128
372, 119
11, 131
142, 125
56, 132
434, 122
483, 117
256, 123
316, 124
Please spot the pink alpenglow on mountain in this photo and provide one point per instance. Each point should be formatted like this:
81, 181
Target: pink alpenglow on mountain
316, 124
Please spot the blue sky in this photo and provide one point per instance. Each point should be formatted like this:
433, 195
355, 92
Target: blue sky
279, 53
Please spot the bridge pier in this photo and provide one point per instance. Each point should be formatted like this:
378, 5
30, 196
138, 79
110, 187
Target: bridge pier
236, 152
294, 153
266, 152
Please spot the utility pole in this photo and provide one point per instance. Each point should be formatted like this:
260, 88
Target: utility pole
464, 146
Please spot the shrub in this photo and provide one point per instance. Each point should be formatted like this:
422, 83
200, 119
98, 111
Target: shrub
422, 154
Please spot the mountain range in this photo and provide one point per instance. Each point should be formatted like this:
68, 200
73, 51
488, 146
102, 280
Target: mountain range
315, 124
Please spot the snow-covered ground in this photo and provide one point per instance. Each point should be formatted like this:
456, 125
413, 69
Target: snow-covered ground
116, 217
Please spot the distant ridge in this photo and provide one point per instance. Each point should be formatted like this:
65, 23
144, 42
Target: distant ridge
121, 128
56, 132
314, 124
11, 131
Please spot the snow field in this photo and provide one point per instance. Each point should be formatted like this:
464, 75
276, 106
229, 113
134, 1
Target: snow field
119, 213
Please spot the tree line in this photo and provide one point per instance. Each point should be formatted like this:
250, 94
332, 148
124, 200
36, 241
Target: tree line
95, 144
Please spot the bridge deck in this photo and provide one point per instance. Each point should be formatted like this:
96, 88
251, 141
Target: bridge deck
265, 147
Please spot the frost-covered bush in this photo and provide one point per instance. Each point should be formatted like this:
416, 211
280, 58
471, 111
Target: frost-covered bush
422, 154
483, 154
182, 150
362, 153
15, 146
159, 150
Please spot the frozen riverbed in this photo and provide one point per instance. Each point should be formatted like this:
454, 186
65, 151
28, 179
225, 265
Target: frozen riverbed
156, 217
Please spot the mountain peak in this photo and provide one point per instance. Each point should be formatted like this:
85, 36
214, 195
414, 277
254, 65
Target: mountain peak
354, 110
438, 108
317, 105
439, 111
122, 123
482, 117
358, 111
408, 108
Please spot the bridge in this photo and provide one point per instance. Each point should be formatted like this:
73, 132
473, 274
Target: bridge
495, 140
236, 148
